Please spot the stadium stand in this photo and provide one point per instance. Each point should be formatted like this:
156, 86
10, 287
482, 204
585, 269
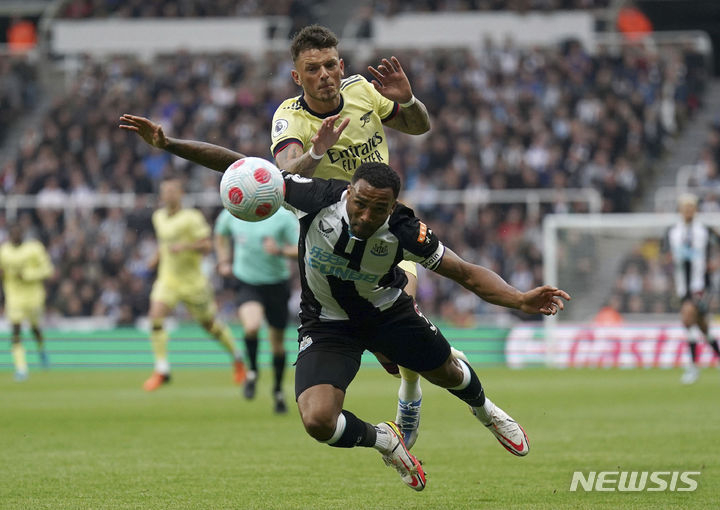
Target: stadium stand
504, 117
222, 8
391, 7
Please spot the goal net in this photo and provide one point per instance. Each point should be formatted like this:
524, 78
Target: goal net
624, 310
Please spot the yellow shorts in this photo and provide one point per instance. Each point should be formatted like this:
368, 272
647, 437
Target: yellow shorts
18, 311
408, 267
198, 299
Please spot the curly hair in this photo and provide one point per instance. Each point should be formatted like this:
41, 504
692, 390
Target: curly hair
378, 175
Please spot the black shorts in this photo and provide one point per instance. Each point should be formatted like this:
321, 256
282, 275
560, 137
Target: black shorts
330, 352
701, 300
274, 298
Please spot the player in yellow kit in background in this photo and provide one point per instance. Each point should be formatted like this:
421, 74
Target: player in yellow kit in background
184, 238
24, 266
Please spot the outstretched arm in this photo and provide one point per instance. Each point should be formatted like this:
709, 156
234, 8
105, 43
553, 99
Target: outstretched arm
205, 154
297, 160
391, 81
489, 286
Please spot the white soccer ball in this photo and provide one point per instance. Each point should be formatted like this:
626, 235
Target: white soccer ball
252, 189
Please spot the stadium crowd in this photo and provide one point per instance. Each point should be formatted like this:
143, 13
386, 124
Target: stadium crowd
181, 9
18, 89
390, 7
222, 8
503, 117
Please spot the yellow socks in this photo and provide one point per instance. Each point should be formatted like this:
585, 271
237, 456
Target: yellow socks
18, 354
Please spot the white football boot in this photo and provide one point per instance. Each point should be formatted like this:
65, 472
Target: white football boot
504, 428
398, 456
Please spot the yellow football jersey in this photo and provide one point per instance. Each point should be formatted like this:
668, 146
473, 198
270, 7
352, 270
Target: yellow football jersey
362, 140
185, 226
24, 268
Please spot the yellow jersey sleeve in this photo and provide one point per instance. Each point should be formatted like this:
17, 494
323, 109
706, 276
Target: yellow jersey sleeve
38, 266
289, 126
198, 225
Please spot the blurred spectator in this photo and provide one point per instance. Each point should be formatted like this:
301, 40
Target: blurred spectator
18, 89
21, 35
609, 315
633, 23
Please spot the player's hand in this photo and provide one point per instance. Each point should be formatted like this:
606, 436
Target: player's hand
151, 132
178, 247
225, 269
391, 81
271, 247
328, 135
547, 300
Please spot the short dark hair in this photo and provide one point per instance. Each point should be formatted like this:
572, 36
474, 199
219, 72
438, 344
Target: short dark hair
378, 175
312, 37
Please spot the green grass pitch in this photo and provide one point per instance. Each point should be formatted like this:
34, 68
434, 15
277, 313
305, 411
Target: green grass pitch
92, 439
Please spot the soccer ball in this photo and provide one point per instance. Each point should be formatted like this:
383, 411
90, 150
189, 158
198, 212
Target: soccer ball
252, 189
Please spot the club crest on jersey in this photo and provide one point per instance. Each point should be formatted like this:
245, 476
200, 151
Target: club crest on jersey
324, 229
365, 118
380, 249
280, 126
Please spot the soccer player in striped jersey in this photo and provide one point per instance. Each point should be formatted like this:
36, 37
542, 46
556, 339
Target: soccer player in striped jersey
24, 265
687, 245
352, 238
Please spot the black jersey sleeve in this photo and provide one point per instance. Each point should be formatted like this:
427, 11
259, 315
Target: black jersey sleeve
418, 242
308, 195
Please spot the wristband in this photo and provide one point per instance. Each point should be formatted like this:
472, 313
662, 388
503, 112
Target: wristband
313, 155
409, 103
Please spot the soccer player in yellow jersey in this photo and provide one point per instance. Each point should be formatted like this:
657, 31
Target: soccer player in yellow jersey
183, 237
24, 265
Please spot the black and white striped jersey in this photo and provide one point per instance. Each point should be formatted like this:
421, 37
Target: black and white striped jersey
344, 277
690, 246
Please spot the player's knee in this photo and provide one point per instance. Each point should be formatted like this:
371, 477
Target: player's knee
251, 328
391, 368
320, 426
448, 375
156, 324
